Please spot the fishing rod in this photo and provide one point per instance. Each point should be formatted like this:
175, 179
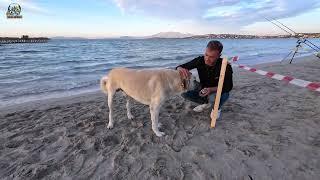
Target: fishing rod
300, 38
313, 45
285, 26
295, 33
278, 26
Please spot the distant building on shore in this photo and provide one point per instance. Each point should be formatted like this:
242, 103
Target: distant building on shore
239, 36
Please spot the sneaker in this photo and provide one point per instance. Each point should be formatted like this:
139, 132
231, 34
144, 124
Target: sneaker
218, 115
202, 107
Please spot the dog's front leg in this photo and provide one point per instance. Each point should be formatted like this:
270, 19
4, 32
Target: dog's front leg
154, 111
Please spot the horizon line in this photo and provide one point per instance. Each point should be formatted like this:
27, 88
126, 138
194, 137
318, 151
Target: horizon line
146, 36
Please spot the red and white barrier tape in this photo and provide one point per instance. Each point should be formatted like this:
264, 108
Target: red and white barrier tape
298, 82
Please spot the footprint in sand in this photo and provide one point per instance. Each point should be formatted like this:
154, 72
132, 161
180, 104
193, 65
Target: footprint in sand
159, 166
13, 144
109, 141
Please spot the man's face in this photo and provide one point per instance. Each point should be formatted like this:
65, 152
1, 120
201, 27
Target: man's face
211, 56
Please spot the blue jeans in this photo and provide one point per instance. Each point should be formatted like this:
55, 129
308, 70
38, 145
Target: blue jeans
193, 96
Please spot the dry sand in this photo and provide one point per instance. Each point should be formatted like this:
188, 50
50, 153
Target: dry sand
269, 130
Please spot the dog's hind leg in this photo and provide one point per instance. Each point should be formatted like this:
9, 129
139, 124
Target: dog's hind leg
111, 93
107, 89
128, 105
154, 111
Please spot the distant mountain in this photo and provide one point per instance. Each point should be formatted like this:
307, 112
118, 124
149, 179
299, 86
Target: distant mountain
166, 35
170, 35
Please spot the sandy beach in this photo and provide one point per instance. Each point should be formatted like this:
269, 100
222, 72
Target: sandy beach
268, 130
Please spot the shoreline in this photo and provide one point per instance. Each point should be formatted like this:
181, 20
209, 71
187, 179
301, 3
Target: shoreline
46, 97
296, 59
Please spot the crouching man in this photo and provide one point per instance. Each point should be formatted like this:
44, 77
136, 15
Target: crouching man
208, 67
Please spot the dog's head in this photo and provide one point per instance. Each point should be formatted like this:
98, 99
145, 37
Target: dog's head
188, 84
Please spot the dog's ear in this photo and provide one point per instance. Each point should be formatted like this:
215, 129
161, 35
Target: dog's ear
185, 84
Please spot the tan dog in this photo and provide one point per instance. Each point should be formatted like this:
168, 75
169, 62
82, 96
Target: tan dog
148, 86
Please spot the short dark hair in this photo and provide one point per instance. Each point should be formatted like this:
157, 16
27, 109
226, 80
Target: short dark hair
215, 45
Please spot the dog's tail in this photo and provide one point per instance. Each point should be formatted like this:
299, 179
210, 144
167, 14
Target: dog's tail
103, 84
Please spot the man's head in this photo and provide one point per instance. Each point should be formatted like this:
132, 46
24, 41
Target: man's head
213, 52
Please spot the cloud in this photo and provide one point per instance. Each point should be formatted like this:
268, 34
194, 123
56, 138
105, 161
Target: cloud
181, 9
256, 10
221, 12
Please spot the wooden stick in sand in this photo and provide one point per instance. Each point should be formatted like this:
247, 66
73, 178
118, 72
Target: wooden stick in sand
218, 94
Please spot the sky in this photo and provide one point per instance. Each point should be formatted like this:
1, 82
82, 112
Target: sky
114, 18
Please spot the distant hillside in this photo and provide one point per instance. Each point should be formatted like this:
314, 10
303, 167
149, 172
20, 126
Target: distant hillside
164, 35
170, 35
239, 36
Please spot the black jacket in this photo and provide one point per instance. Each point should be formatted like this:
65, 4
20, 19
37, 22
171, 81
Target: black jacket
209, 75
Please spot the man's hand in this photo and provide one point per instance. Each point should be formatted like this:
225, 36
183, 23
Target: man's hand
184, 72
207, 91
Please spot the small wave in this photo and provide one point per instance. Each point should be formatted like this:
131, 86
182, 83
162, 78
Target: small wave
29, 80
54, 49
45, 95
92, 66
261, 54
130, 56
59, 46
253, 54
30, 51
159, 59
69, 61
172, 64
99, 58
187, 56
93, 71
148, 60
139, 66
39, 91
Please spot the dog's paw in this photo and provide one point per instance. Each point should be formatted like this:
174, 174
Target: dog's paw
110, 126
130, 116
159, 133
